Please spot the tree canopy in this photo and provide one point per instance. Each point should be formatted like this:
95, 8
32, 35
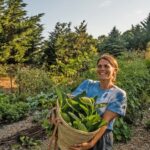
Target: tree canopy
20, 36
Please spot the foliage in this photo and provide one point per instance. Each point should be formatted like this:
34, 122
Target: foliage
40, 106
50, 47
113, 44
146, 29
28, 141
122, 131
147, 62
72, 51
134, 78
32, 81
3, 70
138, 36
137, 42
42, 101
11, 109
20, 36
80, 112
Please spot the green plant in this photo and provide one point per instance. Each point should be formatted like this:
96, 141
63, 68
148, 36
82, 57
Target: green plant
28, 141
3, 70
122, 131
32, 81
11, 109
42, 101
47, 126
134, 78
80, 113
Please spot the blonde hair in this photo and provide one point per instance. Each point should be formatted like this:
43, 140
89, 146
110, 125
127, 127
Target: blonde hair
112, 61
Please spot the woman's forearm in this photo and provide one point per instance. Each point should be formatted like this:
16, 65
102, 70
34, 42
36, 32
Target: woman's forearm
98, 135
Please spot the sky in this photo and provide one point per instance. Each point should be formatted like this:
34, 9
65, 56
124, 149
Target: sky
100, 15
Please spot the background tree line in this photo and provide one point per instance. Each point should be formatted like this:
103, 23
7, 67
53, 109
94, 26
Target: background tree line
21, 40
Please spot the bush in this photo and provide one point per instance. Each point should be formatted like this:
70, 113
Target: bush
122, 131
134, 78
3, 70
12, 110
32, 81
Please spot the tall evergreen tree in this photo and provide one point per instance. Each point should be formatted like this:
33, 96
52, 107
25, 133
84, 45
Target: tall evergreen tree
138, 40
21, 34
146, 29
113, 44
51, 47
128, 37
72, 49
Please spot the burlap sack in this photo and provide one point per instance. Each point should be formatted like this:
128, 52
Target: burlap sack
68, 136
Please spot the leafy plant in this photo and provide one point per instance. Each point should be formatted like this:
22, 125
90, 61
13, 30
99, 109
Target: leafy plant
80, 114
32, 81
11, 109
134, 78
122, 131
28, 141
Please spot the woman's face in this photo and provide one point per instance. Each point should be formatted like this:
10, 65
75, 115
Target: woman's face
105, 70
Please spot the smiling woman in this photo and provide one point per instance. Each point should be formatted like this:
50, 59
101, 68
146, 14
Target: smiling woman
107, 68
111, 97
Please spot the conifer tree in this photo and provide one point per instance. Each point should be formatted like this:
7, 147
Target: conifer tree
146, 29
20, 36
50, 45
72, 49
113, 44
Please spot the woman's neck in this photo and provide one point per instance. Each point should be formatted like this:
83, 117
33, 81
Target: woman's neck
106, 84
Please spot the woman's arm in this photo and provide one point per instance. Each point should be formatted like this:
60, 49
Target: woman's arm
108, 116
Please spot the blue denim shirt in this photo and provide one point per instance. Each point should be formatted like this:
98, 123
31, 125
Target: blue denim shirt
113, 99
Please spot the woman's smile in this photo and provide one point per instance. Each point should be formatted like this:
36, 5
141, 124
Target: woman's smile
105, 70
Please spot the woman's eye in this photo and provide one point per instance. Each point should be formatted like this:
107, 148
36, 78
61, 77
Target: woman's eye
106, 66
103, 66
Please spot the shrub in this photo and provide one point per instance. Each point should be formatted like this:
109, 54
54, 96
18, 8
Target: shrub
32, 81
3, 69
12, 110
134, 78
122, 131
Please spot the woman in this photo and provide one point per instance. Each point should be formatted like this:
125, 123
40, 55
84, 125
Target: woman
112, 97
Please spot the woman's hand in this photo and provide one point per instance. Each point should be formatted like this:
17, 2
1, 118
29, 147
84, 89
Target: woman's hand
82, 146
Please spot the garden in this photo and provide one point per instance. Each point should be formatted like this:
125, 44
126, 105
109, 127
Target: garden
34, 71
25, 108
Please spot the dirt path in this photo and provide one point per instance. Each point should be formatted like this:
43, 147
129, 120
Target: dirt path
140, 139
